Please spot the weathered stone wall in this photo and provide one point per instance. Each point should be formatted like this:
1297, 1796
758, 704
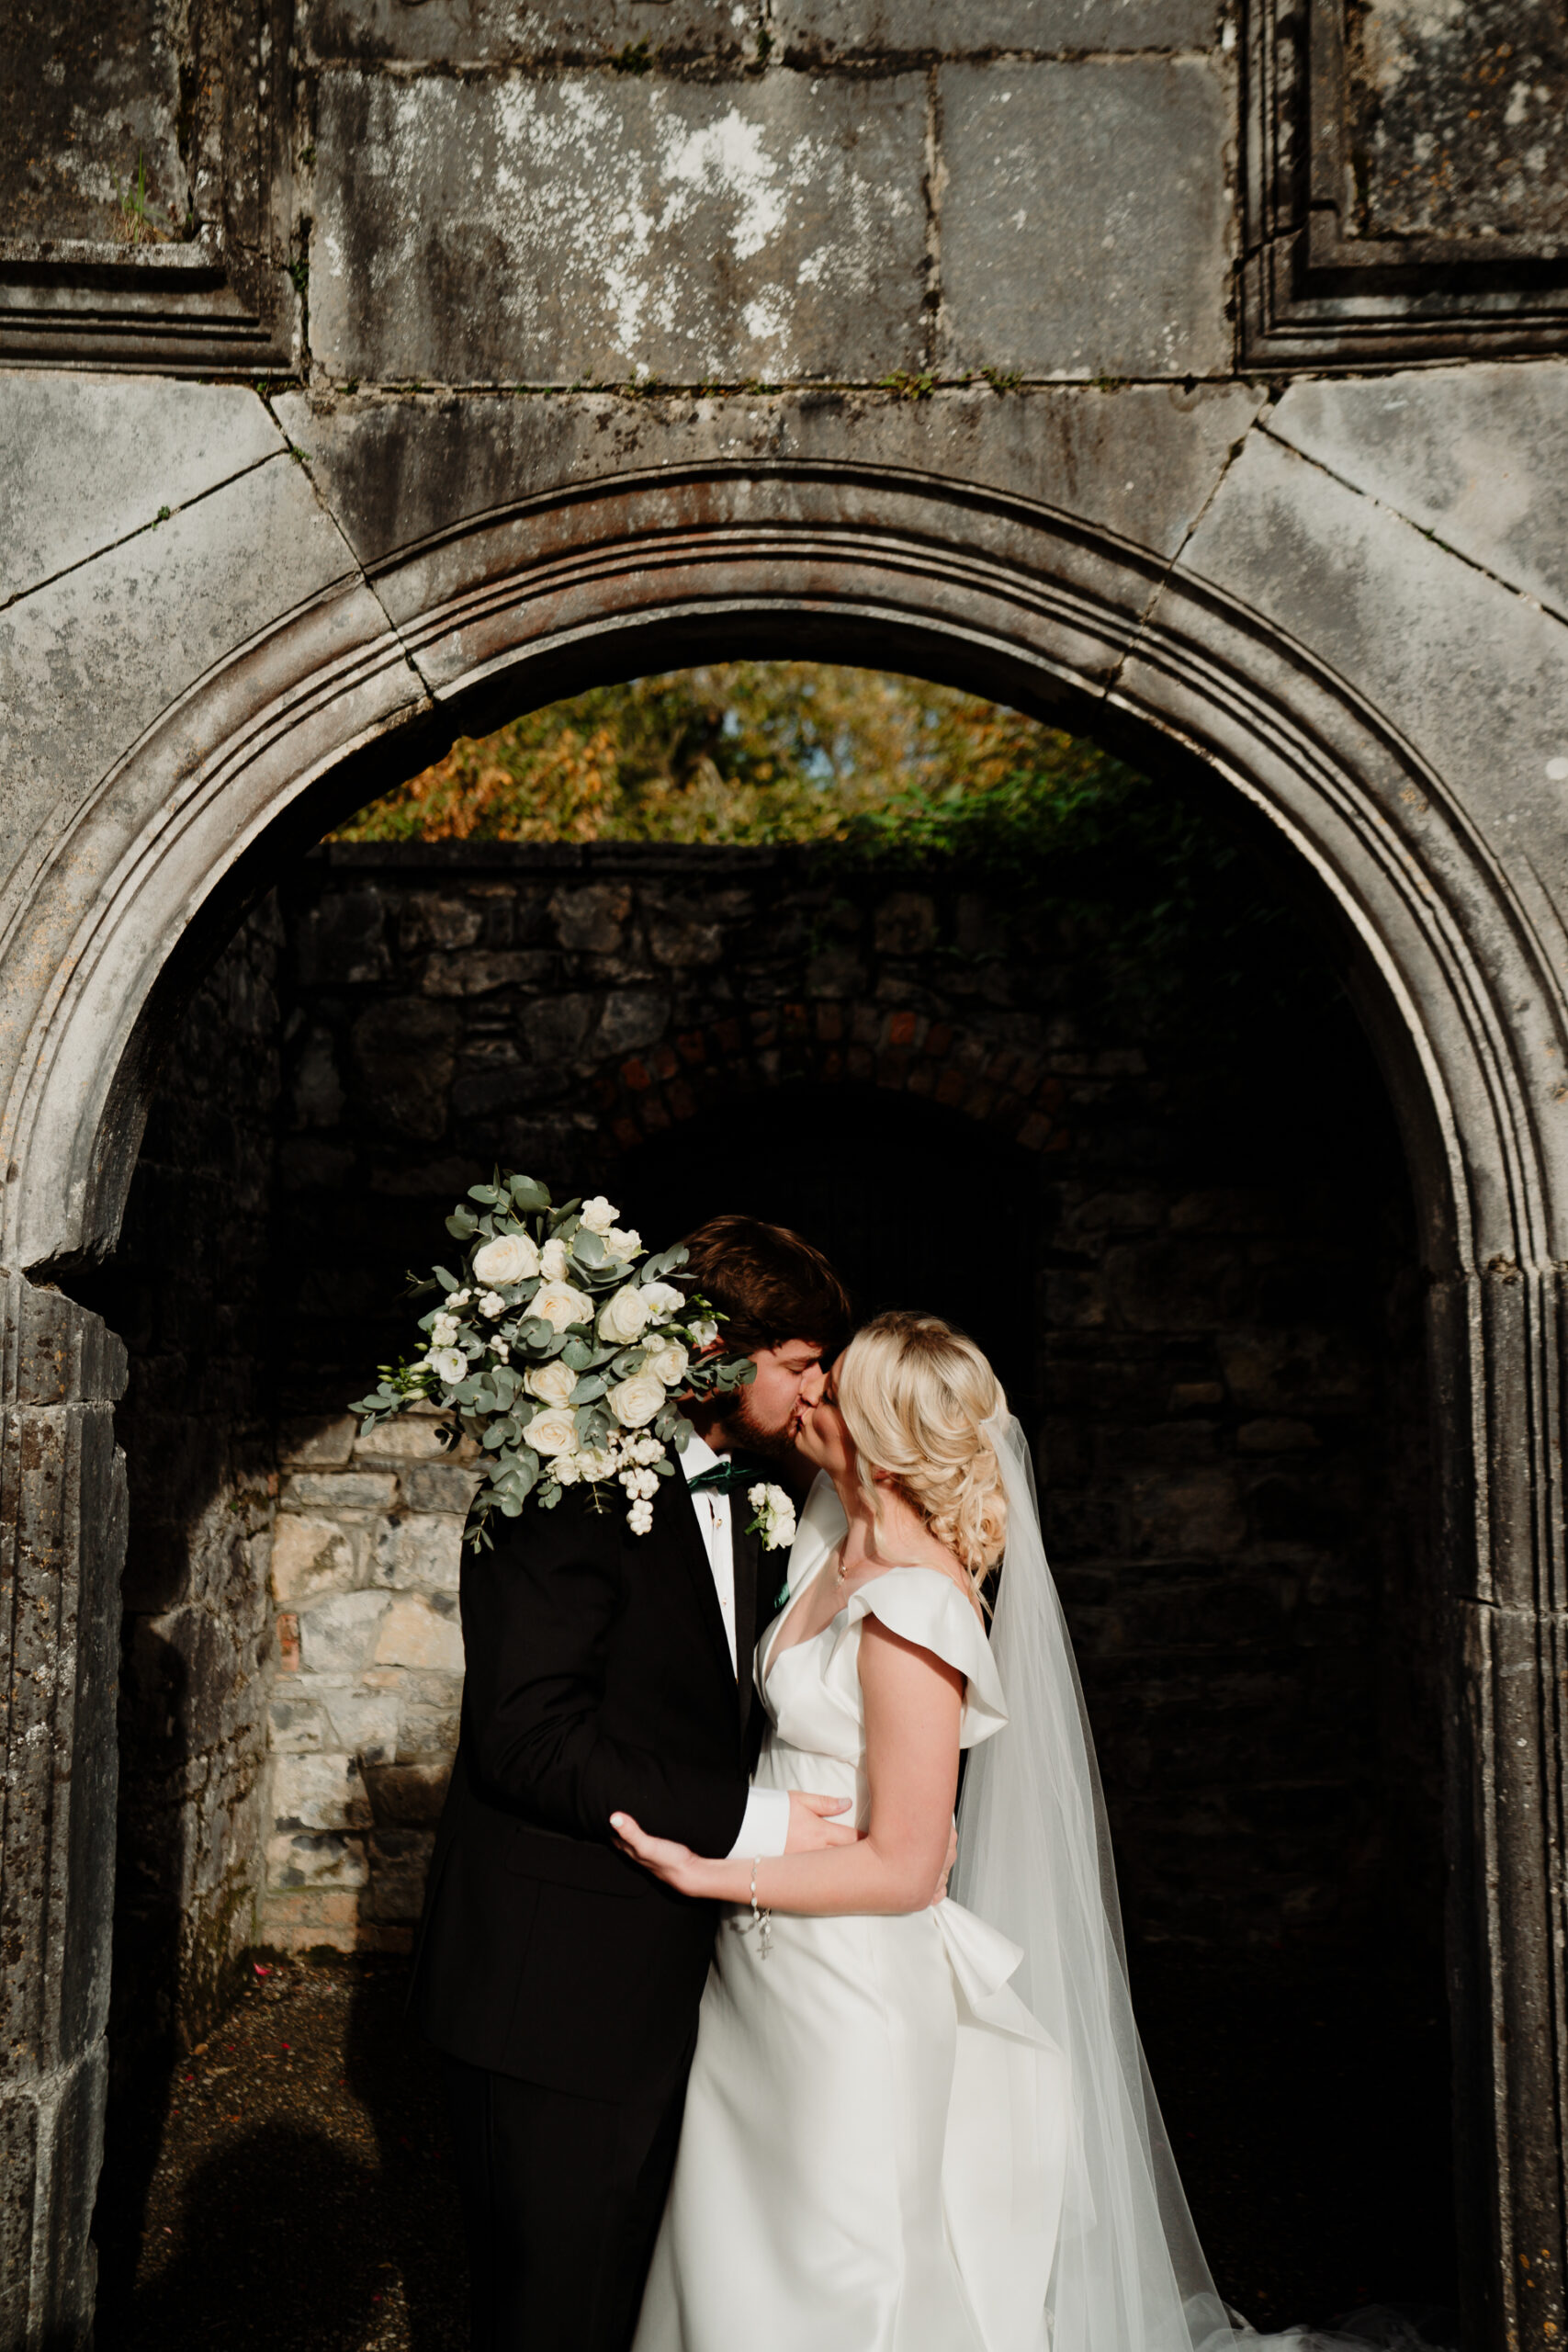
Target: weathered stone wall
369, 1681
1222, 1358
188, 1291
1347, 591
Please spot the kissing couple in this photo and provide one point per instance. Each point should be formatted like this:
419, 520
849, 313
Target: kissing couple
724, 2065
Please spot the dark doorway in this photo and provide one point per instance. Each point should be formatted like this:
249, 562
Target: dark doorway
916, 1207
1172, 1210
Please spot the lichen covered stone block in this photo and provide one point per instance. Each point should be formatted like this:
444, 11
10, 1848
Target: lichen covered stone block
310, 1557
553, 228
419, 1631
337, 1635
317, 1793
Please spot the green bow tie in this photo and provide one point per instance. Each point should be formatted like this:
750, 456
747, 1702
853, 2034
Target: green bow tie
723, 1478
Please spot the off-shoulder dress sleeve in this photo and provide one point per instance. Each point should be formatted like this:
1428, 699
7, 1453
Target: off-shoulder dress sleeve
927, 1608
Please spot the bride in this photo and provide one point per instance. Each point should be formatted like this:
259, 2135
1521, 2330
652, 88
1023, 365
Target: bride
918, 2126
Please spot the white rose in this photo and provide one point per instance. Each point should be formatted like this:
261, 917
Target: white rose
623, 1317
669, 1363
636, 1402
449, 1364
623, 1246
596, 1461
566, 1469
551, 1383
552, 1261
510, 1258
558, 1305
598, 1216
703, 1334
552, 1432
662, 1299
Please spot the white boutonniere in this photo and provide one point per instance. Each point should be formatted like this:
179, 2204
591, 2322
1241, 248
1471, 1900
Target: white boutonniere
775, 1521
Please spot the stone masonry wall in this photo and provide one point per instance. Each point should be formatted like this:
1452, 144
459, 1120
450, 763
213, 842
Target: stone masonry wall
1219, 1348
1222, 1359
364, 1707
189, 1290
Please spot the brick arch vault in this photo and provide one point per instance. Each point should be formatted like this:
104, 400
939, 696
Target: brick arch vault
407, 590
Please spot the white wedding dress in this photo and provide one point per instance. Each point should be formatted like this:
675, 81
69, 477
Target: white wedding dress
885, 2150
876, 2131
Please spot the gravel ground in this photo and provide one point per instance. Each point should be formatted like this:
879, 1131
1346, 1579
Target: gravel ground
294, 2192
302, 2196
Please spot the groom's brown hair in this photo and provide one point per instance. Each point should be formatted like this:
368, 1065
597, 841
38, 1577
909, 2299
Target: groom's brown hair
771, 1283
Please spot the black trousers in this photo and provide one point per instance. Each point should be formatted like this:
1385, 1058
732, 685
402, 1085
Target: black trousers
562, 2199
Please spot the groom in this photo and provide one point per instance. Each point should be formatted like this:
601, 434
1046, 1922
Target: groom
608, 1672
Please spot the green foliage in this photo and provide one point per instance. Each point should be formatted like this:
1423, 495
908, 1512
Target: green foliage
754, 752
888, 772
137, 226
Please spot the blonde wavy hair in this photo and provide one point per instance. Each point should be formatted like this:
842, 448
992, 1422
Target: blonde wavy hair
914, 1394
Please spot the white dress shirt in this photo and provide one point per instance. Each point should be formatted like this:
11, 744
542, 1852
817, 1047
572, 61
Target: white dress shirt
764, 1826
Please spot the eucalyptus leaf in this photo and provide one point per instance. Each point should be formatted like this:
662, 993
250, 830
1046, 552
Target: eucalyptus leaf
448, 1282
588, 1391
528, 1193
587, 1247
576, 1355
462, 1224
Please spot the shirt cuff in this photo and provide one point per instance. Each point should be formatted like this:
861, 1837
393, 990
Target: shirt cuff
764, 1826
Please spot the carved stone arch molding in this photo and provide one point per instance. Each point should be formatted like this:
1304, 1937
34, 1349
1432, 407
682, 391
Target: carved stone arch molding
1463, 986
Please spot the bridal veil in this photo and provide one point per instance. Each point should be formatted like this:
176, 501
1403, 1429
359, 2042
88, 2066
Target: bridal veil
1034, 1860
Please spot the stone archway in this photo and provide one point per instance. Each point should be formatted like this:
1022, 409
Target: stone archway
484, 604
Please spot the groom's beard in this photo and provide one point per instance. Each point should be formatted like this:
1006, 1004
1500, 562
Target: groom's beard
776, 1447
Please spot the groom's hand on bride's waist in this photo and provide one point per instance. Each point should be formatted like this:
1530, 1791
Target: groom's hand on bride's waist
812, 1826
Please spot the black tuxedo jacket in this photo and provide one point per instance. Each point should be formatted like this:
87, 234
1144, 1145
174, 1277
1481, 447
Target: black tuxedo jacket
598, 1681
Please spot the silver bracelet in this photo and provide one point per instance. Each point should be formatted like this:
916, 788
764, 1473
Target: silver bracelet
762, 1921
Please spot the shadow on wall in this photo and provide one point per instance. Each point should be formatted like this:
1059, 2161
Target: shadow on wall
188, 1290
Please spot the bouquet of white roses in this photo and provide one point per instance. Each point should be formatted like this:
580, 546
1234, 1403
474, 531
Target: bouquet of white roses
558, 1352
